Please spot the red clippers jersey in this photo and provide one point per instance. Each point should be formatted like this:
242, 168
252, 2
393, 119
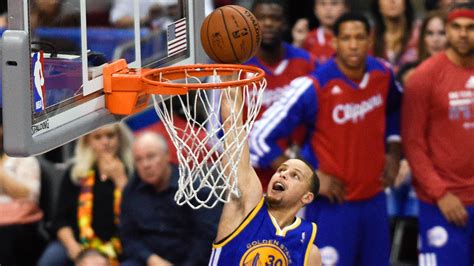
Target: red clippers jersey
348, 125
349, 138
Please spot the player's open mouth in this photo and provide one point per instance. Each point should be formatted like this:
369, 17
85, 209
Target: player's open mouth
278, 186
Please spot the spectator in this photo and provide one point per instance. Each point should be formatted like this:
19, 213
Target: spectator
396, 33
432, 36
152, 12
319, 41
91, 257
19, 211
48, 13
299, 32
90, 196
438, 134
160, 232
347, 104
281, 62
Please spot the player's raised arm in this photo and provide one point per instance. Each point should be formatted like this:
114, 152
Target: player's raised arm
248, 182
249, 186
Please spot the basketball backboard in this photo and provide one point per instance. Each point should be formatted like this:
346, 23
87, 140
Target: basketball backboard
52, 75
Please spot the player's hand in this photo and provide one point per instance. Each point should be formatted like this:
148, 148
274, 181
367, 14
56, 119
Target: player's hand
331, 187
403, 174
73, 250
453, 210
110, 167
392, 165
155, 260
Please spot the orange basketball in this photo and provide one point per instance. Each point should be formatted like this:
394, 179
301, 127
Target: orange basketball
230, 34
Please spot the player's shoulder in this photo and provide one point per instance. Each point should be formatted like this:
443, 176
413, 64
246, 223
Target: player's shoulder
301, 83
432, 64
327, 72
378, 64
309, 227
427, 73
293, 52
308, 224
253, 61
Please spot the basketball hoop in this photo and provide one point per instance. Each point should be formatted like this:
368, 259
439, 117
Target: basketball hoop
207, 169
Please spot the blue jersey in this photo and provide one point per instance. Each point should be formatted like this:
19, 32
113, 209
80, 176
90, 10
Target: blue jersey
260, 241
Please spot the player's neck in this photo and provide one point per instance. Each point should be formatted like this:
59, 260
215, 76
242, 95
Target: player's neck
283, 216
271, 54
459, 60
354, 74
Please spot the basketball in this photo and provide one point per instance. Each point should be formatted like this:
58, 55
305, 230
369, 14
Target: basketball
231, 35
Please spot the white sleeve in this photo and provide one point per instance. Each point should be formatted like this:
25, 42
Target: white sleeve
28, 173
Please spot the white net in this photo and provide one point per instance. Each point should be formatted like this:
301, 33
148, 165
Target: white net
207, 169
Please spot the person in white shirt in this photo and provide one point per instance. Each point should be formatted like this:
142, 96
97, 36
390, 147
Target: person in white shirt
19, 210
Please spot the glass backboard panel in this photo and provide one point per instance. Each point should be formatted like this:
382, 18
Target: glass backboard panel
68, 50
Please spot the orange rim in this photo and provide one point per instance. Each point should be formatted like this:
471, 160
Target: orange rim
201, 70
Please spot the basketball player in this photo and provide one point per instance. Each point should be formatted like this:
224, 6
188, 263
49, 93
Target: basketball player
350, 106
319, 41
438, 138
258, 229
281, 62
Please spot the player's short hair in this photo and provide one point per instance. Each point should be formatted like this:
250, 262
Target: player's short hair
314, 180
281, 3
351, 17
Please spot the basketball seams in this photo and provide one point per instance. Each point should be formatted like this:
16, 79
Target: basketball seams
248, 25
228, 36
209, 41
241, 27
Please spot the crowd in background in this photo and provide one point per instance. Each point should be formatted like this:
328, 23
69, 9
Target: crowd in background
114, 194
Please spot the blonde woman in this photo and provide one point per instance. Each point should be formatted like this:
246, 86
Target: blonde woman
90, 196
